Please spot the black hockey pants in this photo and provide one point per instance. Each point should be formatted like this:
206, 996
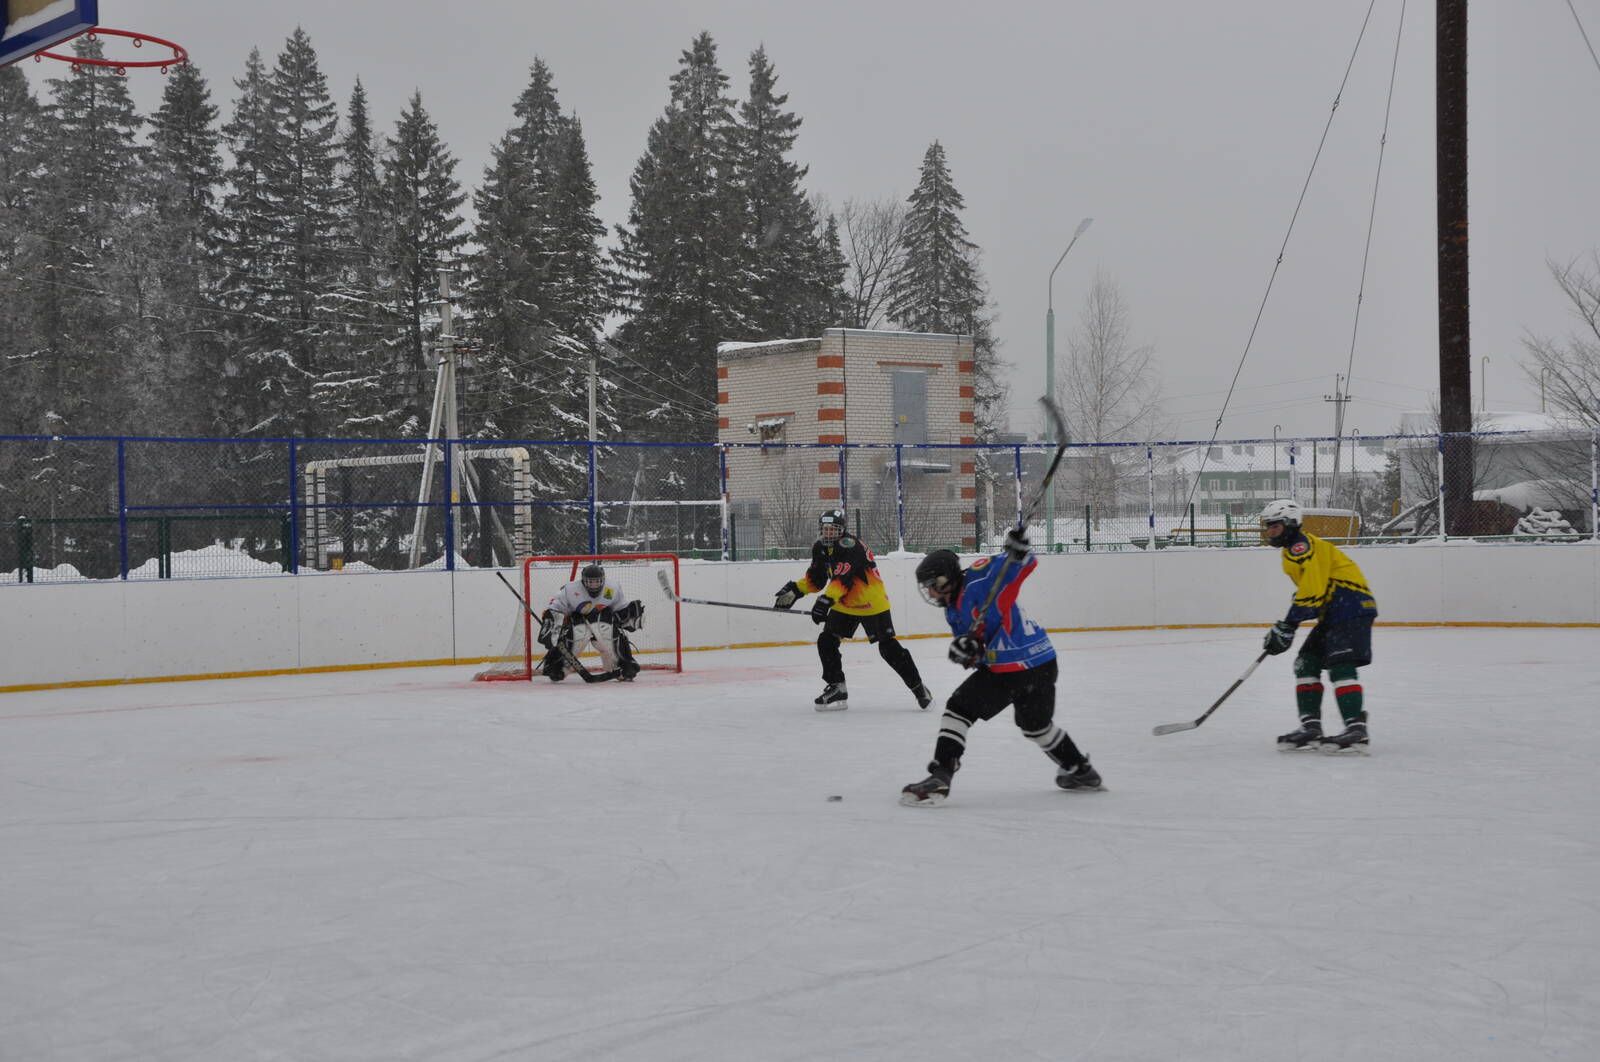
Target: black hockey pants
985, 694
880, 631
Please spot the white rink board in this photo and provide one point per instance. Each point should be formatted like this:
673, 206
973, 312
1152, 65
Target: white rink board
78, 632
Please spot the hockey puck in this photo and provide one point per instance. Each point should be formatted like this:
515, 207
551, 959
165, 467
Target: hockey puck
835, 798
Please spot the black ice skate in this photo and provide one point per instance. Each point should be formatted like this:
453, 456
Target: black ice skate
1303, 740
1080, 779
924, 698
833, 698
930, 792
1353, 740
627, 671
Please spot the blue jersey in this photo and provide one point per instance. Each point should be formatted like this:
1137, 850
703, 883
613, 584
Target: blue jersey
1011, 641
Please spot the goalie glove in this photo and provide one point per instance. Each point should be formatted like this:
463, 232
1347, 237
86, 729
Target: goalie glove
549, 622
629, 617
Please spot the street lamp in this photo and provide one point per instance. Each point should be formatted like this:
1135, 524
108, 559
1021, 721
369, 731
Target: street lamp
1542, 374
1483, 384
1050, 373
1275, 429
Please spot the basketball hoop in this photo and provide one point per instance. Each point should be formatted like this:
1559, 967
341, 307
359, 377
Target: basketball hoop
122, 66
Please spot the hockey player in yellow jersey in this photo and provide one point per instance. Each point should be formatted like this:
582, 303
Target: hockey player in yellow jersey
1330, 589
850, 594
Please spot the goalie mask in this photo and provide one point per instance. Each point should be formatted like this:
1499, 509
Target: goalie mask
594, 579
830, 525
939, 577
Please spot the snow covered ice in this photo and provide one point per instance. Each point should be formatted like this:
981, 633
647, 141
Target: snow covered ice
405, 865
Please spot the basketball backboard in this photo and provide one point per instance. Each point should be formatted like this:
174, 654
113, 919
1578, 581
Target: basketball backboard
34, 25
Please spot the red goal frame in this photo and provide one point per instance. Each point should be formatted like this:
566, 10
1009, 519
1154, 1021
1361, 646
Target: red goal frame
575, 563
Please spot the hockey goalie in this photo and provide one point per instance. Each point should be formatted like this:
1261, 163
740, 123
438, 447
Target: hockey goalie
590, 612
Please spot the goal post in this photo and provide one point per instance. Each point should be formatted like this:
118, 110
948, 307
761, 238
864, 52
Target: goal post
657, 645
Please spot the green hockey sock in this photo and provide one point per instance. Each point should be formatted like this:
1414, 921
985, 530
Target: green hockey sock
1347, 691
1308, 696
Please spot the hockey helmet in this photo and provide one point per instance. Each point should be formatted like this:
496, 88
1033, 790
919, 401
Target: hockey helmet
939, 577
594, 579
1285, 512
830, 525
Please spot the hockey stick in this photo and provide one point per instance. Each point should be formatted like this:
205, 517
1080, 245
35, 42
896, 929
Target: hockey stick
1059, 423
1173, 728
666, 588
566, 653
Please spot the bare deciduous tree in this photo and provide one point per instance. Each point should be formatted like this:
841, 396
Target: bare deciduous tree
1109, 393
1567, 371
872, 237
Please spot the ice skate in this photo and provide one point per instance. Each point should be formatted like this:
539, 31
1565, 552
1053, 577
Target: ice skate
920, 692
1080, 779
833, 698
1303, 740
1352, 742
930, 792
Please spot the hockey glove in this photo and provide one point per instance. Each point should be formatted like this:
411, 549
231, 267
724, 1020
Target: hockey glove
1279, 638
820, 610
548, 622
966, 651
787, 596
1017, 544
630, 617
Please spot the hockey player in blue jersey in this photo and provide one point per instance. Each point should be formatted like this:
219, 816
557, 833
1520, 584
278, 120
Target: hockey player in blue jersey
1014, 661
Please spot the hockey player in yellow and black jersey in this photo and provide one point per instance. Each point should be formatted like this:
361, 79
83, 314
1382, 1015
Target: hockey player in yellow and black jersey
1329, 588
850, 592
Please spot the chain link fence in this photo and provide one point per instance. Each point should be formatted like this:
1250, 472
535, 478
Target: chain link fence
154, 508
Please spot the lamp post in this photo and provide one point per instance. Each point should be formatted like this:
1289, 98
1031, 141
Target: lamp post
1483, 384
1275, 429
1542, 374
1050, 374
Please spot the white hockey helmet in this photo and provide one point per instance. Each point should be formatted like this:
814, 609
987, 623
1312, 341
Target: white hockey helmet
1282, 511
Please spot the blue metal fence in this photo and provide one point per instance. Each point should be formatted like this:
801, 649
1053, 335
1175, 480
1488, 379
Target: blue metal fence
152, 507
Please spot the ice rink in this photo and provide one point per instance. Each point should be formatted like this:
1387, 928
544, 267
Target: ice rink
403, 864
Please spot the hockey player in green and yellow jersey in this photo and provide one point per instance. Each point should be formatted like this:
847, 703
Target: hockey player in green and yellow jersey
1331, 590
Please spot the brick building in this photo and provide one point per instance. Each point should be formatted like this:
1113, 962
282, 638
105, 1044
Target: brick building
849, 386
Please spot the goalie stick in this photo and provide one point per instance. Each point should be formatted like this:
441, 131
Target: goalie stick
1173, 728
666, 588
566, 654
1059, 424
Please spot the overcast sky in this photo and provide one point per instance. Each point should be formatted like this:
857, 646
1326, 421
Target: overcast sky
1186, 130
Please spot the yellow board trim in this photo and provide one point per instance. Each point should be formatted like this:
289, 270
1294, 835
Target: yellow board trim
324, 669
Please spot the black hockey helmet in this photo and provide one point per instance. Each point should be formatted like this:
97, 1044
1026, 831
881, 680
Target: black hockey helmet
594, 579
832, 518
939, 577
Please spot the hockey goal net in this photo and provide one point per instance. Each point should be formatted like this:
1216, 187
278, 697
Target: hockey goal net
657, 645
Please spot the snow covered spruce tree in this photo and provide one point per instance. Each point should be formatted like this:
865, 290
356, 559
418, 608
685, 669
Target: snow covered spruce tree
183, 179
22, 163
795, 266
421, 201
78, 298
353, 391
681, 259
939, 287
537, 293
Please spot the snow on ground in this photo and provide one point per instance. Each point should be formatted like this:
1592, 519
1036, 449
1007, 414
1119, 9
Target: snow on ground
401, 864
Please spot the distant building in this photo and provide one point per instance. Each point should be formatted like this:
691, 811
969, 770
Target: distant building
1524, 460
1237, 478
848, 386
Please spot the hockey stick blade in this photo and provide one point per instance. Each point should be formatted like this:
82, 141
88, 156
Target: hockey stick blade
1174, 728
666, 588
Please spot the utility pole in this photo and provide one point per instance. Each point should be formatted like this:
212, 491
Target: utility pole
1339, 398
1455, 335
